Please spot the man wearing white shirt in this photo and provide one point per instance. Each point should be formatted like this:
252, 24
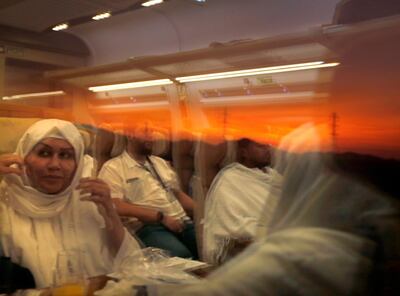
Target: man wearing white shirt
144, 186
237, 198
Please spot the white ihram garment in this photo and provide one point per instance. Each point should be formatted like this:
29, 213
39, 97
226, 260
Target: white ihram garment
234, 203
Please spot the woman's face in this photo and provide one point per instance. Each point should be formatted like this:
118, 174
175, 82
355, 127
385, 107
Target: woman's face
51, 165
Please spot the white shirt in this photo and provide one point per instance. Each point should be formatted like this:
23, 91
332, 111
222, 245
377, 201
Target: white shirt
134, 183
235, 201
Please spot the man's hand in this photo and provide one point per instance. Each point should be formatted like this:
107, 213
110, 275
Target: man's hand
173, 224
185, 200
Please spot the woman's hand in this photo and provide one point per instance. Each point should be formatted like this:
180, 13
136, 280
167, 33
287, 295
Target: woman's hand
6, 160
97, 191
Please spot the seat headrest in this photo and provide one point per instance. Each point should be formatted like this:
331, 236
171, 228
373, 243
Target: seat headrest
12, 130
161, 144
119, 144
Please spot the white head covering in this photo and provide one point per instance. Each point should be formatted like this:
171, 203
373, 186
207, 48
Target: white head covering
28, 200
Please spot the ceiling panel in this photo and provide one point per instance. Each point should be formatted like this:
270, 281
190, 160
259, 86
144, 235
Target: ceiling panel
38, 15
111, 78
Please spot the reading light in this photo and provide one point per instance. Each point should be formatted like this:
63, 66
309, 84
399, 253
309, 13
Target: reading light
152, 2
257, 71
34, 95
130, 85
101, 16
60, 27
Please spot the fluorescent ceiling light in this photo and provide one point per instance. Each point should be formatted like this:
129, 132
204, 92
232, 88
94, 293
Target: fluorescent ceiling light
130, 85
304, 96
135, 105
101, 16
60, 27
251, 70
257, 71
34, 95
152, 2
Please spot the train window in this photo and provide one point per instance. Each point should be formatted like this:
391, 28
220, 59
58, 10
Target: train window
301, 95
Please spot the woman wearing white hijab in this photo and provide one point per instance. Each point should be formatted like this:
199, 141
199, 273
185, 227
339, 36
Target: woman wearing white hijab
43, 213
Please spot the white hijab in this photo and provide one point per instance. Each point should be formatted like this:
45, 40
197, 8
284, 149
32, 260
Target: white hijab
29, 201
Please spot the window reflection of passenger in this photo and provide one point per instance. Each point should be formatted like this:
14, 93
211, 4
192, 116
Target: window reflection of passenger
236, 199
42, 213
330, 235
145, 186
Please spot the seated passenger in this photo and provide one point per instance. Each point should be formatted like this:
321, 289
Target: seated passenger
43, 214
236, 199
330, 235
146, 187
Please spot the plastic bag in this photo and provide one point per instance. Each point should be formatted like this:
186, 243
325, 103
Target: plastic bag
149, 266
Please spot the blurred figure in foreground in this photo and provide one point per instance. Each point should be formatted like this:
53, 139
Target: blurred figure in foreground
330, 236
236, 200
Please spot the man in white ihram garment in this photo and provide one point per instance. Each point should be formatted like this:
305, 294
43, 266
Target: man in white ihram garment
236, 199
